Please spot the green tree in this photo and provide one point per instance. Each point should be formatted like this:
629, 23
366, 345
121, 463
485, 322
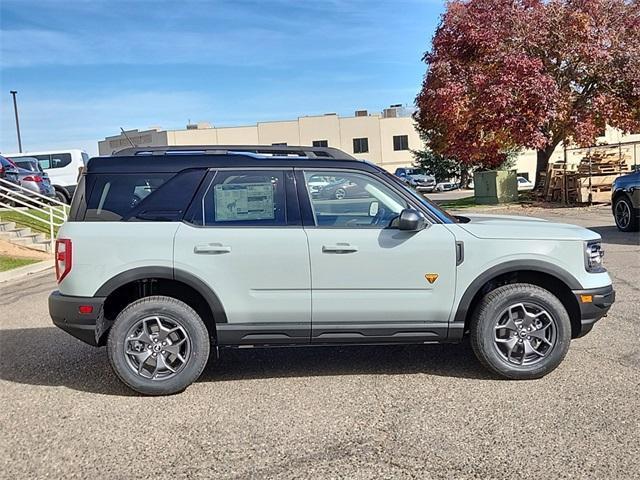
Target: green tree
441, 167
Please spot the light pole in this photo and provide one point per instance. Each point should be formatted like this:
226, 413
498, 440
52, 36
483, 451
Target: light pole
15, 109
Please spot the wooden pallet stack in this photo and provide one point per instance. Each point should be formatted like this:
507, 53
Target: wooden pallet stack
560, 183
596, 173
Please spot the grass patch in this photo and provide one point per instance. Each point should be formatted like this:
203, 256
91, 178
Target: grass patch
9, 263
459, 203
24, 221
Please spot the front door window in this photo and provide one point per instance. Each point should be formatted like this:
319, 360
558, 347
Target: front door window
351, 200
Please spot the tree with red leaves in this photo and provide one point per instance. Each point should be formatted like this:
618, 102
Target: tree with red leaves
503, 75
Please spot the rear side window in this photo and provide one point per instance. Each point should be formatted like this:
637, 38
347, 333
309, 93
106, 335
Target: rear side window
115, 196
157, 197
243, 198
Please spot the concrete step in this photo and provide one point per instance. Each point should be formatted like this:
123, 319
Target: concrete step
8, 235
23, 241
23, 232
41, 246
35, 237
24, 237
7, 226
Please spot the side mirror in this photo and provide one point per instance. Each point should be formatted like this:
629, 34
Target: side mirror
410, 220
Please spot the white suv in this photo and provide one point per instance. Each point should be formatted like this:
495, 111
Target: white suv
169, 253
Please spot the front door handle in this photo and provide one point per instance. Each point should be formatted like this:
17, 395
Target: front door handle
339, 248
211, 248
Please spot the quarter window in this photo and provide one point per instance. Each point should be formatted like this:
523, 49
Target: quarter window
244, 198
360, 145
351, 200
401, 142
115, 196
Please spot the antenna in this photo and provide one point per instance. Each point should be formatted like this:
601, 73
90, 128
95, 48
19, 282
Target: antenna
127, 137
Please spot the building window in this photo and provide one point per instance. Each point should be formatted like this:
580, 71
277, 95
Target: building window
360, 145
282, 144
400, 142
320, 143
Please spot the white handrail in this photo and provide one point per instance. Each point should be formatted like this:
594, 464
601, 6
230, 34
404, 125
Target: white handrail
32, 194
26, 201
55, 211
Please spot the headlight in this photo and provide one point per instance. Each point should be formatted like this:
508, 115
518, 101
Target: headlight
593, 254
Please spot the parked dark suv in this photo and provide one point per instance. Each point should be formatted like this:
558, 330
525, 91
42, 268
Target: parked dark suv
625, 202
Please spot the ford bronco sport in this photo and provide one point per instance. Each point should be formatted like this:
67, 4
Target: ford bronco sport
171, 254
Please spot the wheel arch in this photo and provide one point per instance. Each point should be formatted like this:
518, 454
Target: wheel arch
141, 282
543, 274
618, 194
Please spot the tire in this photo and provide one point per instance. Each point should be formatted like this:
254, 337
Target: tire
503, 303
61, 197
340, 193
626, 217
185, 359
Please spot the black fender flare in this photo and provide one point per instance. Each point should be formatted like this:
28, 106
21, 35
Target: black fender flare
169, 273
456, 327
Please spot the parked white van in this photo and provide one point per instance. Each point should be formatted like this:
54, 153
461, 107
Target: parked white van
62, 166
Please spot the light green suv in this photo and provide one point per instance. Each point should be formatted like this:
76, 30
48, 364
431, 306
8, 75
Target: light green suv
173, 253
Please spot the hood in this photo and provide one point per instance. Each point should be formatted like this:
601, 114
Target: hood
422, 177
524, 228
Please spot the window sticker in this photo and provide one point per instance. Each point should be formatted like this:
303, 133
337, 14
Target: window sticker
245, 201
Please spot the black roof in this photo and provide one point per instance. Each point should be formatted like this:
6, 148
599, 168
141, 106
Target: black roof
175, 159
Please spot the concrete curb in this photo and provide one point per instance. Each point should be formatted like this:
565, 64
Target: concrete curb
22, 272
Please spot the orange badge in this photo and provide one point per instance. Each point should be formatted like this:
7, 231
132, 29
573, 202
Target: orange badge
431, 277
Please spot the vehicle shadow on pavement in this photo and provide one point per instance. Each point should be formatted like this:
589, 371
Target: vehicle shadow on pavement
49, 357
260, 363
611, 234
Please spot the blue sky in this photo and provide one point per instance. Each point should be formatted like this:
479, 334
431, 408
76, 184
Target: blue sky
84, 68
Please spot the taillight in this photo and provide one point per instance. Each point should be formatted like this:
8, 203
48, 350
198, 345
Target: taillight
63, 258
34, 178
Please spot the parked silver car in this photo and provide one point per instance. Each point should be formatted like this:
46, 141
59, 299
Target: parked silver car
32, 177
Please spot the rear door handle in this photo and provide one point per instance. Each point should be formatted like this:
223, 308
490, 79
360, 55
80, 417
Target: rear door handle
211, 248
339, 248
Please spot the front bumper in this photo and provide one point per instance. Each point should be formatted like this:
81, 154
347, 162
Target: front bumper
65, 313
594, 304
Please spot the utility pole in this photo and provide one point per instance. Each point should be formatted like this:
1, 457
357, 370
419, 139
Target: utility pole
15, 109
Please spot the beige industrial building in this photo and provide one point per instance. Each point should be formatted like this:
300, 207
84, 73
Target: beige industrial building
385, 138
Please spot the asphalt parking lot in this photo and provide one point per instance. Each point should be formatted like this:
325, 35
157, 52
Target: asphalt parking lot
359, 412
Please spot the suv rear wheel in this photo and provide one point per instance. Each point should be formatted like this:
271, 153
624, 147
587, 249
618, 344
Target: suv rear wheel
158, 345
520, 331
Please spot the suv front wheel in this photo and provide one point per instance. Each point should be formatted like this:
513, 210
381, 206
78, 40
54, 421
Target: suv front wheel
520, 331
158, 345
626, 217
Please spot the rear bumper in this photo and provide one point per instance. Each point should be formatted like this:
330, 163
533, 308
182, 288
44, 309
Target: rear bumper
64, 311
594, 304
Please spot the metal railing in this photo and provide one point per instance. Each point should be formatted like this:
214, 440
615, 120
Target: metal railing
15, 197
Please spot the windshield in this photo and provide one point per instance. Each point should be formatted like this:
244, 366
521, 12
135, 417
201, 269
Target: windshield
435, 209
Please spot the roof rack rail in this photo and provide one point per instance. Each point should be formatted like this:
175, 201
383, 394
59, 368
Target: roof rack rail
274, 150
